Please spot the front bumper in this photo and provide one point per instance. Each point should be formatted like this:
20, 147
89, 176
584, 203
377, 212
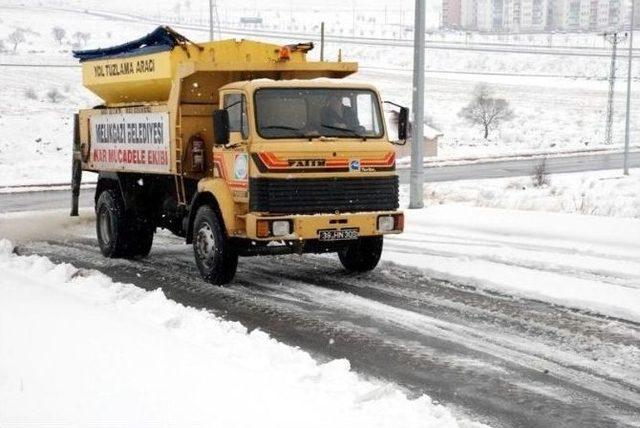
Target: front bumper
308, 226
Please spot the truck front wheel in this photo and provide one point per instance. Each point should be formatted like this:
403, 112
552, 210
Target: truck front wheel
363, 255
118, 235
216, 259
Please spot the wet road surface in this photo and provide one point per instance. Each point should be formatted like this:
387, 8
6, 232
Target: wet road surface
502, 360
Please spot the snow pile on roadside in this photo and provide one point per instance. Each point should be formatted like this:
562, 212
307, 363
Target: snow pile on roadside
77, 349
596, 193
585, 262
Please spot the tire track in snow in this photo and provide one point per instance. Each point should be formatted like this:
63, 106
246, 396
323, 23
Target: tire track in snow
446, 340
580, 272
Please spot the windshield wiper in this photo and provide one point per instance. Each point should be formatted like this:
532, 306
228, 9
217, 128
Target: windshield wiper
290, 128
287, 128
353, 132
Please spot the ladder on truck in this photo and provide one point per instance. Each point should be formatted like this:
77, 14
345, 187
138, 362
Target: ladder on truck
181, 197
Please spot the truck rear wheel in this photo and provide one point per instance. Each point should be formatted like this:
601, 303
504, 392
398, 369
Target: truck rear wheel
363, 255
118, 235
215, 258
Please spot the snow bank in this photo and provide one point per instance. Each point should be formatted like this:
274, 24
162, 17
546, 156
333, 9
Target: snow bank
579, 261
77, 350
607, 193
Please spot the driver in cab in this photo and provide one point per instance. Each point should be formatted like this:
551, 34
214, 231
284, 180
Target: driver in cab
338, 117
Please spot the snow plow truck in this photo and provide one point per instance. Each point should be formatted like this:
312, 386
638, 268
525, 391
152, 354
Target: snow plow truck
241, 147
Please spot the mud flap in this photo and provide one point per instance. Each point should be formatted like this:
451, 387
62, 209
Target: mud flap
76, 167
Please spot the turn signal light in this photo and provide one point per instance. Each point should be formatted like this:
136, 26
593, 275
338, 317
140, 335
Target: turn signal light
400, 222
284, 53
262, 228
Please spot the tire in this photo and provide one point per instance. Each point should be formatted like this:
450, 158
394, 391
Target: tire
118, 235
141, 247
363, 255
216, 259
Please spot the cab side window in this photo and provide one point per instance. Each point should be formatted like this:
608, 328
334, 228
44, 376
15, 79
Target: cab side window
236, 106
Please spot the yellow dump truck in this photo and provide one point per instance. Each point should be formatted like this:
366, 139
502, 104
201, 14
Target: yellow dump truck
243, 148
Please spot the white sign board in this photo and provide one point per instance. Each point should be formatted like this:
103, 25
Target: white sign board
130, 142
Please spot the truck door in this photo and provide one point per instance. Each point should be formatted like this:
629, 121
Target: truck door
232, 162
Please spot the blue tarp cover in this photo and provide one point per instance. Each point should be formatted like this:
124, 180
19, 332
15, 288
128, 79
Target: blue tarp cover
161, 39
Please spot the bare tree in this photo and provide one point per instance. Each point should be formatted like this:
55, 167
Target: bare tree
16, 38
54, 95
31, 94
85, 38
540, 175
58, 34
485, 110
81, 38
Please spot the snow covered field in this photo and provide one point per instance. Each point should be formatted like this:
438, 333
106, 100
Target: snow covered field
551, 113
78, 350
606, 193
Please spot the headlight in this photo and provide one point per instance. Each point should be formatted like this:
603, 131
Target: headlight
280, 227
386, 223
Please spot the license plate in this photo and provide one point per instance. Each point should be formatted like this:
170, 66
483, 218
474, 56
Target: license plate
337, 235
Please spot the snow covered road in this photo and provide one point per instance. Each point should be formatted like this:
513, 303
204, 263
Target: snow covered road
500, 320
77, 350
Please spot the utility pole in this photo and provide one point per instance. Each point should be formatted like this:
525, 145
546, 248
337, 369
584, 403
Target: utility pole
353, 18
210, 20
614, 38
322, 41
625, 167
214, 17
416, 193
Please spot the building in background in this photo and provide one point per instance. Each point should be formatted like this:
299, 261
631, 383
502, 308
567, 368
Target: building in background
451, 13
485, 18
469, 14
537, 15
498, 10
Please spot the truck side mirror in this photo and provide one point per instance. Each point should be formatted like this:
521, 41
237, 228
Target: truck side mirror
403, 123
221, 127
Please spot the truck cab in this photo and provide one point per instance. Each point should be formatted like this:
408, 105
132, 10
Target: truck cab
252, 150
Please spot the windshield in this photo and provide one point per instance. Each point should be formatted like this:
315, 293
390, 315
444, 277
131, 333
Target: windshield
315, 112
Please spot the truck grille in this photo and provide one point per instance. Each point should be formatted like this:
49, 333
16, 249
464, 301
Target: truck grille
323, 195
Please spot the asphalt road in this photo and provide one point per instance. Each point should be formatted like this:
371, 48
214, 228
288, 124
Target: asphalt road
525, 166
42, 200
55, 199
502, 360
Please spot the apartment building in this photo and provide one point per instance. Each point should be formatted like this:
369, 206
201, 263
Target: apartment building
537, 15
469, 14
451, 13
485, 15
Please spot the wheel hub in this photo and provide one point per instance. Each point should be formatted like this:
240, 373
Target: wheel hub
105, 227
205, 245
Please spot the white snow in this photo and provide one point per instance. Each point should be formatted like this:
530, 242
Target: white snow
606, 193
553, 112
579, 261
78, 350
